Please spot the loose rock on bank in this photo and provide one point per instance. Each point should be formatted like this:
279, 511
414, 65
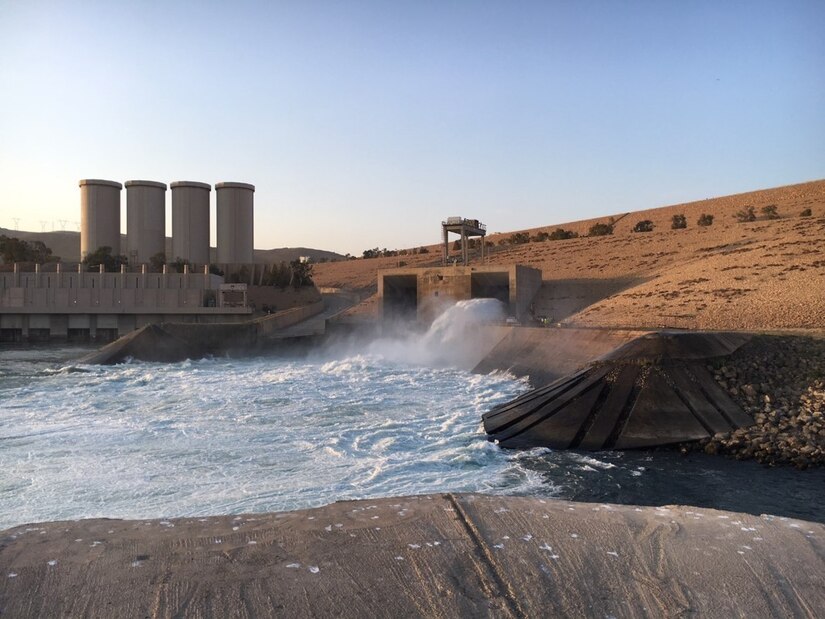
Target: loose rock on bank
780, 381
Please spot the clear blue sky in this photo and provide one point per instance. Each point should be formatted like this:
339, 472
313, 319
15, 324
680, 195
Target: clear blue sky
366, 123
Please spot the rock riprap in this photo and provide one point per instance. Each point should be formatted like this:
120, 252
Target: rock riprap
780, 381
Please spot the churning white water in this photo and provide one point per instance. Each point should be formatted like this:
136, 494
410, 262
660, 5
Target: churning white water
243, 435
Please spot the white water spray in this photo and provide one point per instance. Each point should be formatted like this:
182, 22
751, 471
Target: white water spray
455, 338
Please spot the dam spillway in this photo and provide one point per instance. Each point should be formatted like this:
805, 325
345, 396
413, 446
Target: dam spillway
654, 390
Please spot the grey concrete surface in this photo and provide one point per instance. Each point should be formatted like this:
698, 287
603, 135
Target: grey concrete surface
190, 221
235, 222
428, 556
145, 220
547, 354
99, 215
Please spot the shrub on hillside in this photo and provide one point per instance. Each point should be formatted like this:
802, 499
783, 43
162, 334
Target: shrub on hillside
643, 226
560, 234
678, 222
519, 238
769, 212
539, 237
746, 214
705, 220
806, 213
600, 229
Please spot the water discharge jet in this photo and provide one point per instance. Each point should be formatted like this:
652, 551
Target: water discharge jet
460, 336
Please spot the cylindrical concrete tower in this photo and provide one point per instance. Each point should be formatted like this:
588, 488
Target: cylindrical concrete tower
190, 221
145, 220
99, 215
235, 222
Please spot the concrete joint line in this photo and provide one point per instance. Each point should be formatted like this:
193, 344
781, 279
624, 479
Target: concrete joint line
499, 582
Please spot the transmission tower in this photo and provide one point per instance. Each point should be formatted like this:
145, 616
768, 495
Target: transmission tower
43, 223
16, 221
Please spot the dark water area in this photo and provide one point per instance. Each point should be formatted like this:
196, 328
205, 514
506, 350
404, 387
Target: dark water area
664, 477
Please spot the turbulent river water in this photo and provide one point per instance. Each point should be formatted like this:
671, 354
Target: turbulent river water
278, 432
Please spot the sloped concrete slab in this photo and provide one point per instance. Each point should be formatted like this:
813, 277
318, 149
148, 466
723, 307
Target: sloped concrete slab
449, 555
651, 391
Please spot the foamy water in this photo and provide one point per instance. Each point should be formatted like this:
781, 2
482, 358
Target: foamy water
227, 435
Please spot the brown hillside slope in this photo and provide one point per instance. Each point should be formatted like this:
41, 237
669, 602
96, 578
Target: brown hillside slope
768, 274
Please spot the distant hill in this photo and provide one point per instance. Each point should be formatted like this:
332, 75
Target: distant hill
67, 246
63, 244
286, 254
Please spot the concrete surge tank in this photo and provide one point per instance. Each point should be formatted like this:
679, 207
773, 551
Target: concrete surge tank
145, 220
99, 215
235, 222
190, 221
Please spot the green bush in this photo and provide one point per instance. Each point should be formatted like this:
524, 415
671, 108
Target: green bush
13, 250
746, 214
643, 226
705, 219
519, 238
560, 234
769, 212
600, 229
539, 237
103, 255
678, 222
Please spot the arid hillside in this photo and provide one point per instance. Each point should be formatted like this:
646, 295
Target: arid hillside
763, 274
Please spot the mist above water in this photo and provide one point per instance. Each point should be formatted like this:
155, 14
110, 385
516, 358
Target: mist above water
457, 338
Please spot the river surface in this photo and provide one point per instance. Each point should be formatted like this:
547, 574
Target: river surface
224, 435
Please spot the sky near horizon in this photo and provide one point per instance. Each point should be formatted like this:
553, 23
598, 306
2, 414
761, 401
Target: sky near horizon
364, 124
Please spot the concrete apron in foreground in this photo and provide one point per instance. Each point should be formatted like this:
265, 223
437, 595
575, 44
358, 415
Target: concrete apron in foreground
437, 555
